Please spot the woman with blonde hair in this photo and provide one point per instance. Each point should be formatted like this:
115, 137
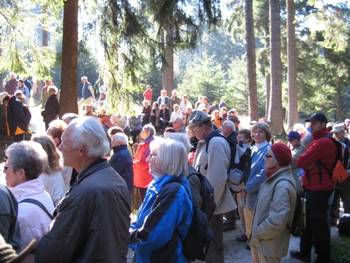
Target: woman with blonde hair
51, 176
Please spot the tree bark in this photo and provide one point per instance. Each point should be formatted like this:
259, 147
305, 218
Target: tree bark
168, 67
251, 61
45, 38
292, 66
275, 108
68, 96
268, 89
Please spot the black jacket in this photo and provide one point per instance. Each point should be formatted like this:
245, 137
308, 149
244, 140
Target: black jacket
92, 221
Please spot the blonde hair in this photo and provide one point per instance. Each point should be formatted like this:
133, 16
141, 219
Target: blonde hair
53, 155
171, 156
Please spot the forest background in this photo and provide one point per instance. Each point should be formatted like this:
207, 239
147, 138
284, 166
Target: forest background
223, 50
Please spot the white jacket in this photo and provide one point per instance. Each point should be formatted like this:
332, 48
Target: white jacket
33, 221
54, 185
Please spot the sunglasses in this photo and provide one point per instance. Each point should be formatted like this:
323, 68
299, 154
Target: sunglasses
6, 167
268, 156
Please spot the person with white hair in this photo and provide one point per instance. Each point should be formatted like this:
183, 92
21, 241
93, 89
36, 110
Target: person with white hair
87, 93
121, 159
165, 216
92, 220
25, 161
52, 107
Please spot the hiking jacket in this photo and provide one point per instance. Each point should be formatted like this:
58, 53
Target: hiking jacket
163, 223
274, 214
213, 161
33, 222
142, 176
257, 174
92, 221
121, 161
323, 149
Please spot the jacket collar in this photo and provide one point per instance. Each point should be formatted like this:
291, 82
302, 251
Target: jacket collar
120, 147
322, 133
275, 174
28, 188
92, 168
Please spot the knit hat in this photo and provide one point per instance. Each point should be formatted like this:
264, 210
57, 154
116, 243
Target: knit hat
282, 154
292, 135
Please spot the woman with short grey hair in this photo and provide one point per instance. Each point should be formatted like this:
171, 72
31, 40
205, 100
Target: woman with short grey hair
26, 160
165, 215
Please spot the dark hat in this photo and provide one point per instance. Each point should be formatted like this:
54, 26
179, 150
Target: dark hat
318, 116
282, 154
199, 117
292, 135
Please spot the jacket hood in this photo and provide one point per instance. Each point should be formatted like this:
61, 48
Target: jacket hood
28, 188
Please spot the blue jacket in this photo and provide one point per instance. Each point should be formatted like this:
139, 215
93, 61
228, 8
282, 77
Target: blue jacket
159, 218
257, 175
121, 161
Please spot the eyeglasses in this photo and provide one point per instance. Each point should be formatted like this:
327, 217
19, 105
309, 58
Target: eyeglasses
268, 156
152, 154
6, 167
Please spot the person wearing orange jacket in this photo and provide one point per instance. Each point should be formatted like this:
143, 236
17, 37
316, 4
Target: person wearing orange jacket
142, 176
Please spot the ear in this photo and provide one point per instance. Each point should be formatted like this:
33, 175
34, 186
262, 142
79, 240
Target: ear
21, 174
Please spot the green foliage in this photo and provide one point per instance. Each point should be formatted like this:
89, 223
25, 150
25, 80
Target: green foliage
203, 77
340, 250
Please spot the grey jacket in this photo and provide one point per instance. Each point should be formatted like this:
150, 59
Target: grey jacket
92, 221
214, 165
273, 214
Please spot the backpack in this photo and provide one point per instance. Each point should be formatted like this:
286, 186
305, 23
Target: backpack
298, 223
199, 236
236, 171
344, 226
338, 171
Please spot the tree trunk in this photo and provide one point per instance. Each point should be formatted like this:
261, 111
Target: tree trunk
168, 67
45, 38
292, 66
275, 108
251, 61
268, 89
68, 96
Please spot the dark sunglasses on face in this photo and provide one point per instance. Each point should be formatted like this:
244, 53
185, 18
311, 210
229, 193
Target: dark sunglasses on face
268, 156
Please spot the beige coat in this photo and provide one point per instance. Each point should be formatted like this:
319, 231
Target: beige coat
273, 215
214, 166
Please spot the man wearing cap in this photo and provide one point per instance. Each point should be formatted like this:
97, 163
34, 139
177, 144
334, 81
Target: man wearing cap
212, 159
275, 208
318, 188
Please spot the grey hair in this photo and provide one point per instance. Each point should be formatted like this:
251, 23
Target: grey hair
68, 117
29, 156
229, 124
179, 137
150, 128
88, 131
120, 137
171, 155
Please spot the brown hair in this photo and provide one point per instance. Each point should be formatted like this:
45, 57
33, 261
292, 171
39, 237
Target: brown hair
52, 152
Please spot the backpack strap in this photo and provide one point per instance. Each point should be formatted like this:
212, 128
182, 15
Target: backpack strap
37, 203
280, 180
338, 157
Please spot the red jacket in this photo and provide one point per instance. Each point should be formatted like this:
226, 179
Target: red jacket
321, 148
147, 94
142, 176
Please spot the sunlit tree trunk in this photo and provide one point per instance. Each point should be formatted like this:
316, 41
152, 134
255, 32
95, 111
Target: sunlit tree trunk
275, 108
292, 66
168, 67
68, 97
251, 60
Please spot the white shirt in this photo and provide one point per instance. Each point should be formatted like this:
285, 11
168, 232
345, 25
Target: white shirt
54, 185
33, 221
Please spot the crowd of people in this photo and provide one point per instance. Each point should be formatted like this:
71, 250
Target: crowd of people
74, 189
